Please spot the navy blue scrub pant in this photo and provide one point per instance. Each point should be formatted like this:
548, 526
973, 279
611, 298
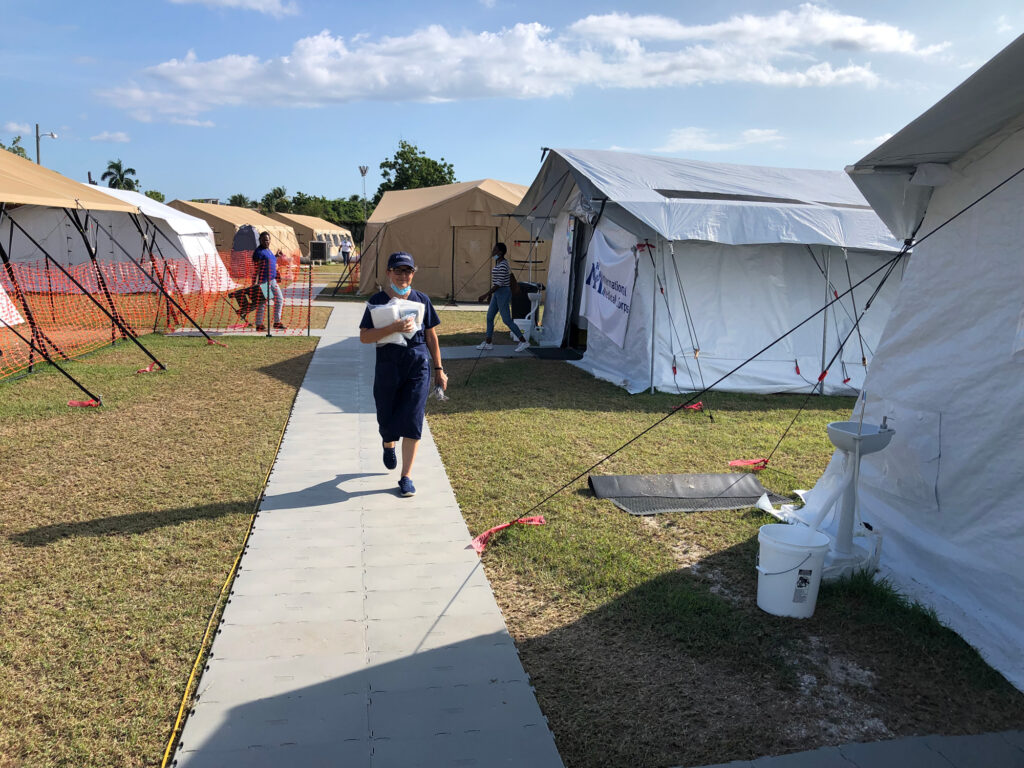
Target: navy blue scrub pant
401, 384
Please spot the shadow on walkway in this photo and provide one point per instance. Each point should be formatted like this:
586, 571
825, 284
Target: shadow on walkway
425, 709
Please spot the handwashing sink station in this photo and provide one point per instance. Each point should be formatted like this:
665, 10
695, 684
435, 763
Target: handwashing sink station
855, 439
846, 434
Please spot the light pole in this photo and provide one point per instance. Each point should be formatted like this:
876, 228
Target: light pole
362, 172
39, 136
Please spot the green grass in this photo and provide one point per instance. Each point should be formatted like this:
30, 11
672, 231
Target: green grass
120, 525
642, 635
461, 328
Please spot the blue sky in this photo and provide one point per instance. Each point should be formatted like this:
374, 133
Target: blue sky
206, 98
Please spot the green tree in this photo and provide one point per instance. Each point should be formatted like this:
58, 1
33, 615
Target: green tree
240, 200
410, 168
152, 194
311, 205
276, 200
15, 147
119, 177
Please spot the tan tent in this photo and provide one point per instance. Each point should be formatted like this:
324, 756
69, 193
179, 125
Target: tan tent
22, 182
450, 231
309, 228
227, 220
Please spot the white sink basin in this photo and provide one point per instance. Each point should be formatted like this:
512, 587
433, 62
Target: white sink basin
843, 435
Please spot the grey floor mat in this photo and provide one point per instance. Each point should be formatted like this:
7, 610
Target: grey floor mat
652, 494
555, 353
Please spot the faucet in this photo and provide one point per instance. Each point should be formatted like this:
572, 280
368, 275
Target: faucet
885, 423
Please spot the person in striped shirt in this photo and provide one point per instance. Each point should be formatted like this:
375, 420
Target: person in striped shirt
500, 296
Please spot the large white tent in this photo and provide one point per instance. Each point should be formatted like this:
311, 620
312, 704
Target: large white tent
656, 258
184, 240
180, 236
948, 492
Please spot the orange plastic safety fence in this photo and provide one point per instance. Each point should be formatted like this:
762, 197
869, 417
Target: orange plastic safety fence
46, 309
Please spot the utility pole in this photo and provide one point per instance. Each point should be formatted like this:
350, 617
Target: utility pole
49, 134
362, 172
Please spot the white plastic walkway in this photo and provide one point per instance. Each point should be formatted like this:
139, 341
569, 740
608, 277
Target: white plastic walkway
361, 630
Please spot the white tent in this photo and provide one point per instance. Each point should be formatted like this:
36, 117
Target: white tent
184, 240
948, 492
181, 236
656, 258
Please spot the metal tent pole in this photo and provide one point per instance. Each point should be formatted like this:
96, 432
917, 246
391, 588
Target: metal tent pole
37, 332
151, 278
84, 291
826, 258
654, 308
51, 361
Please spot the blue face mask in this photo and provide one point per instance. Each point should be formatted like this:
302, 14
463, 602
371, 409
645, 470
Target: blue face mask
401, 291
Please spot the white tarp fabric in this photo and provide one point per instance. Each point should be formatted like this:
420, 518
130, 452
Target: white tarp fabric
947, 493
721, 271
8, 312
712, 202
608, 288
180, 235
176, 236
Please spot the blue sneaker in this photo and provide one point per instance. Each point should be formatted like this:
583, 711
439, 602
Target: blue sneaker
405, 486
390, 459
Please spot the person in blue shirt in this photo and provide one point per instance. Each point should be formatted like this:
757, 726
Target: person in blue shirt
401, 380
266, 272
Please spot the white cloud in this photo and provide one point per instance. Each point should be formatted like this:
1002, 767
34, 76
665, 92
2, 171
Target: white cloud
118, 137
875, 142
525, 61
12, 127
810, 25
195, 122
270, 7
702, 140
488, 3
1003, 25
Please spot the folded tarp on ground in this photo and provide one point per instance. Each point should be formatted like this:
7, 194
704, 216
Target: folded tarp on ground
651, 494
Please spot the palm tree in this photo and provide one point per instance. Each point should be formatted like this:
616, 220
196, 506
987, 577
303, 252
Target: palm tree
119, 177
276, 200
239, 200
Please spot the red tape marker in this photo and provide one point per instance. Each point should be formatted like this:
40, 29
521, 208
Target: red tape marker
698, 406
84, 403
797, 367
218, 343
148, 369
480, 542
756, 465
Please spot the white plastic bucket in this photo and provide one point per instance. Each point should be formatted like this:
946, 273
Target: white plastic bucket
525, 326
790, 560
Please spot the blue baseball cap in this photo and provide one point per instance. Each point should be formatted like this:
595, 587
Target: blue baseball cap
401, 259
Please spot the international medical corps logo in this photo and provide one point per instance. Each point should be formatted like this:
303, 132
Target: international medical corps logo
611, 290
594, 279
